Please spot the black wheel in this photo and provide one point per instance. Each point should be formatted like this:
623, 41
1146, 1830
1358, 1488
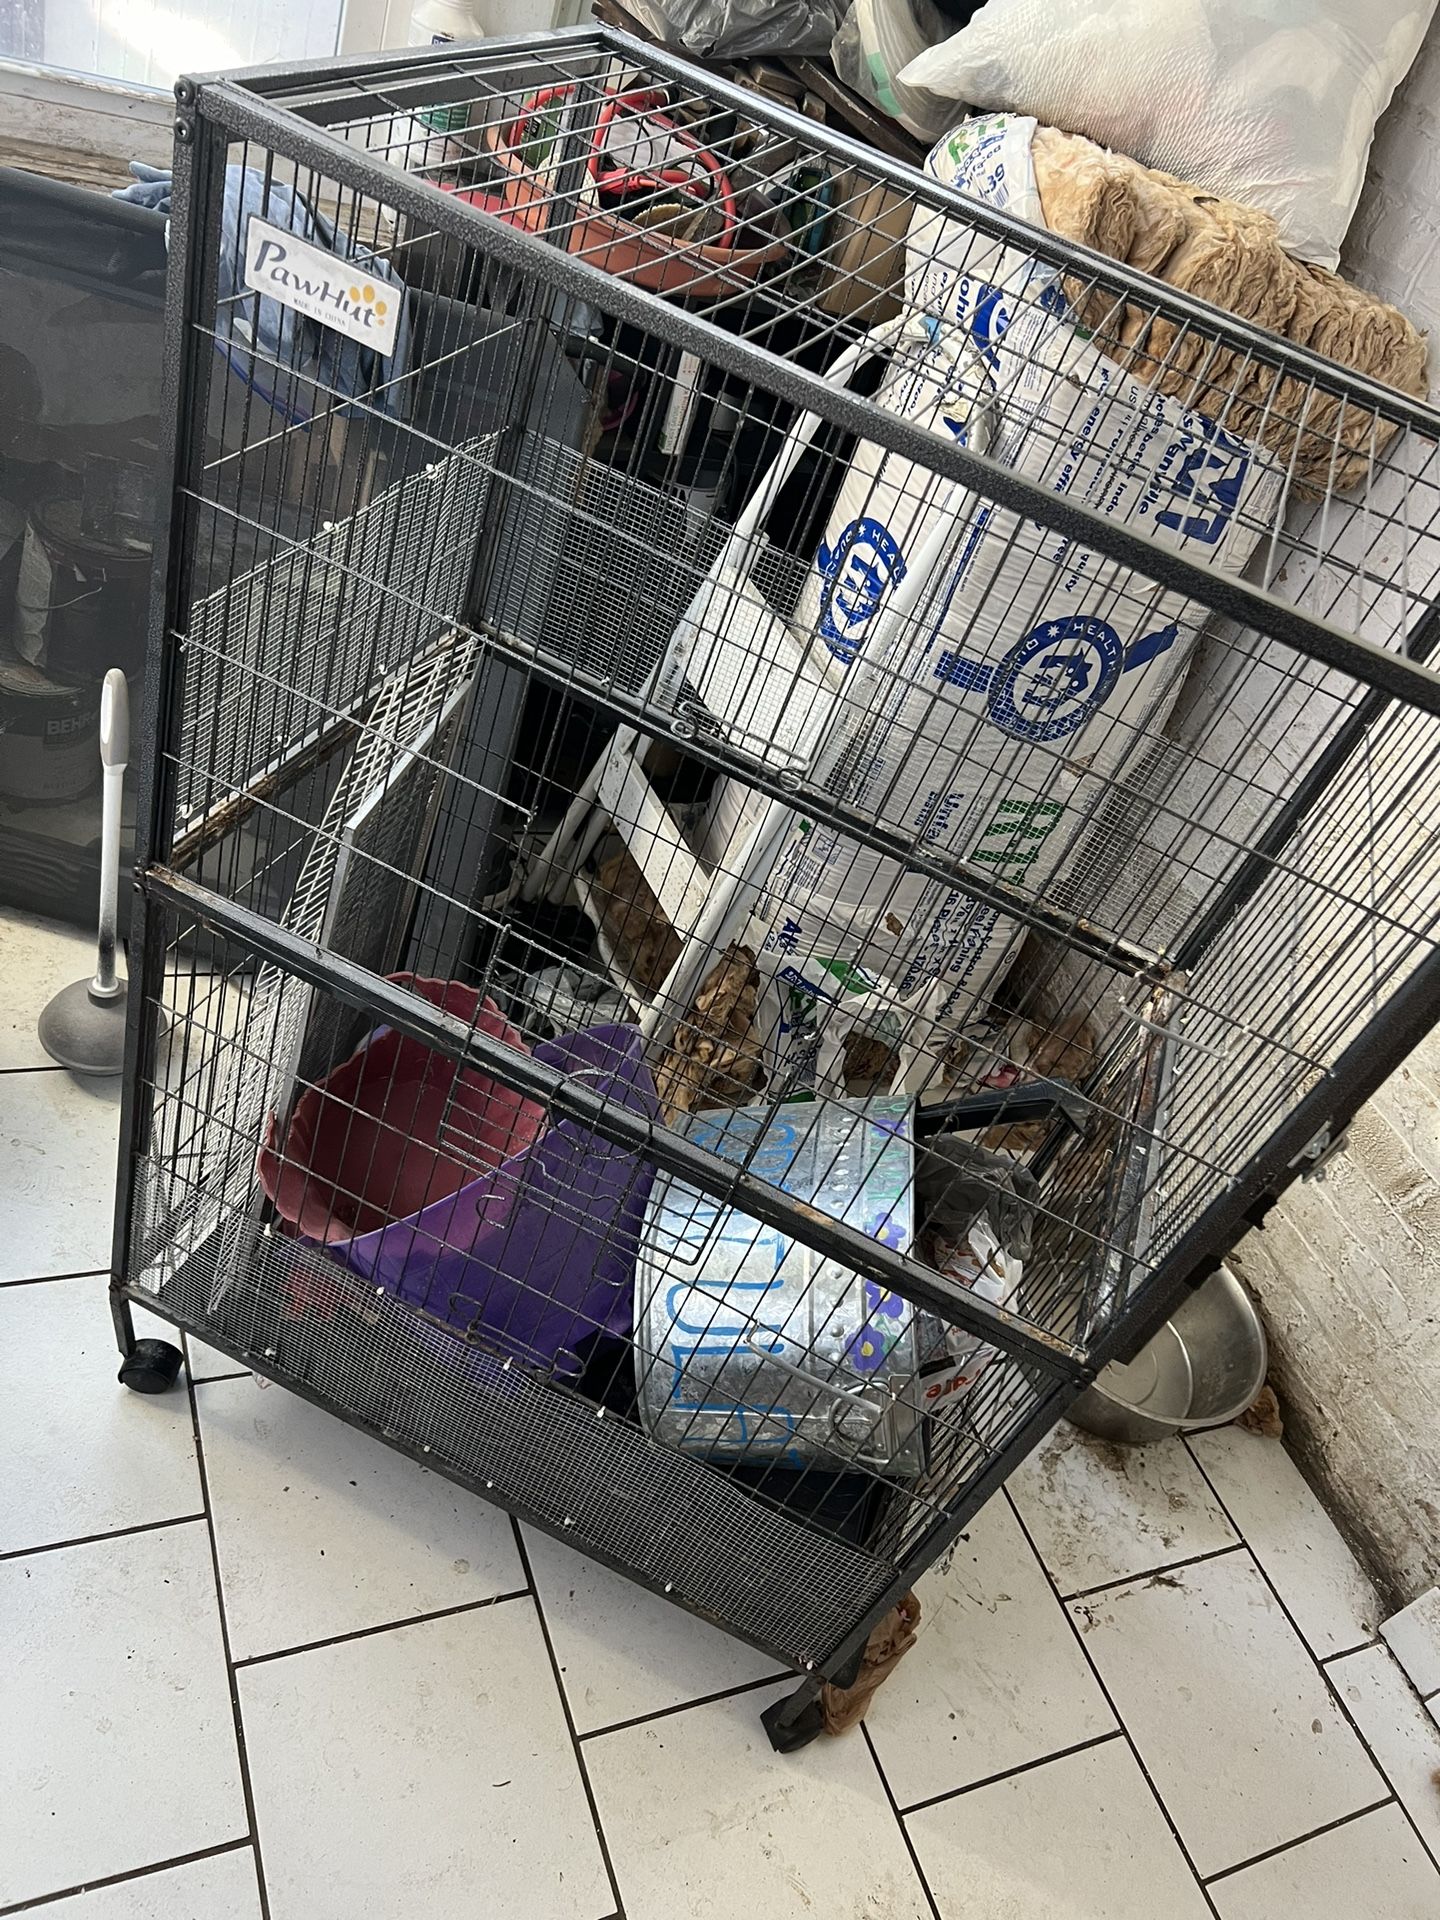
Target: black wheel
789, 1730
153, 1367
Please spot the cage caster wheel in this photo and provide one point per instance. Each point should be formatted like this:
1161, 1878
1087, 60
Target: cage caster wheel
153, 1367
790, 1730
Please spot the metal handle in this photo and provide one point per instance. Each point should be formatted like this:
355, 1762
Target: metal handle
114, 756
843, 1399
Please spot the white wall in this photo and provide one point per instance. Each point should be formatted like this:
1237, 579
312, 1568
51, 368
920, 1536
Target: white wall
152, 42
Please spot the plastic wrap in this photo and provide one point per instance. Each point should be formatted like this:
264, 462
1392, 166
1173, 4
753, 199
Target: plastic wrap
876, 40
739, 29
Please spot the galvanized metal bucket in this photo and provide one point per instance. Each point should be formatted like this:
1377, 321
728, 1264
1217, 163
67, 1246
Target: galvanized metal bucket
751, 1346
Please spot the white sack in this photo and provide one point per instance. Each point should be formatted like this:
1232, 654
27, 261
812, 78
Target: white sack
1273, 106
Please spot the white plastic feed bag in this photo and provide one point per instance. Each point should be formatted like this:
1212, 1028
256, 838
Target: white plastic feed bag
1032, 668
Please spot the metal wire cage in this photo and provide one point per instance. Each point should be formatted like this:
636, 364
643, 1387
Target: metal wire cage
664, 724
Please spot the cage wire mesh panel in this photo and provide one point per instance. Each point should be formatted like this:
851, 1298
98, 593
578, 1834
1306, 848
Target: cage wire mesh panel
354, 896
781, 800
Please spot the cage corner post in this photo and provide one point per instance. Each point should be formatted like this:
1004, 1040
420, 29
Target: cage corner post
796, 1720
150, 1365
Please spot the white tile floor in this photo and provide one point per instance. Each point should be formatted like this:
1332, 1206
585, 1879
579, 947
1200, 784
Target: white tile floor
253, 1664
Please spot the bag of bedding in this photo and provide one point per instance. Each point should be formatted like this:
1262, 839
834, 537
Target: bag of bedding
995, 675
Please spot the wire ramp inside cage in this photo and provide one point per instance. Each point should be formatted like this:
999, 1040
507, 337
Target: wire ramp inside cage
274, 655
355, 894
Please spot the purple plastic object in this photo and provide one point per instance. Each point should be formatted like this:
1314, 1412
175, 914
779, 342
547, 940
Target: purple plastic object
538, 1254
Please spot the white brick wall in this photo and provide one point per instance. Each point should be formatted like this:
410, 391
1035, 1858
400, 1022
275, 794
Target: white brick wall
1348, 1275
1348, 1270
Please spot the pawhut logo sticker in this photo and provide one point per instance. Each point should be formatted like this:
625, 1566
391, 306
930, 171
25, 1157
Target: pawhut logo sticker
321, 286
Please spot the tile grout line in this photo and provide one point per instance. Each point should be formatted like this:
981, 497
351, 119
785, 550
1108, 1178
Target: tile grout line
1289, 1846
239, 1371
1148, 1573
44, 1279
385, 1626
1346, 1653
1106, 1695
1322, 1670
684, 1706
1319, 1659
246, 1786
910, 1847
1009, 1773
148, 1871
555, 1674
93, 1539
1426, 1699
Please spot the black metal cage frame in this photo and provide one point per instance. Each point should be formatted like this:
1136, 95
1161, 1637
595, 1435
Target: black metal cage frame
289, 111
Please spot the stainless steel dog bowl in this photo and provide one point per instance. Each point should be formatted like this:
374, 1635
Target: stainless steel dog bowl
1205, 1366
